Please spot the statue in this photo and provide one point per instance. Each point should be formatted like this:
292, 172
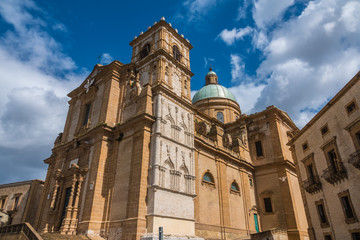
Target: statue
134, 84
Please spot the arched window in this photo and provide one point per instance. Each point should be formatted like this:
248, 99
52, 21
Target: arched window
208, 177
220, 116
176, 53
235, 187
145, 51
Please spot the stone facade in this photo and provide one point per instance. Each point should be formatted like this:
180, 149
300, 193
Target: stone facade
327, 153
19, 201
136, 154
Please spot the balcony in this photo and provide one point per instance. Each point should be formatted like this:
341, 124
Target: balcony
355, 159
312, 185
334, 174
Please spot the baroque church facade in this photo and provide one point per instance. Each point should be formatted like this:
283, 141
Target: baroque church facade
137, 153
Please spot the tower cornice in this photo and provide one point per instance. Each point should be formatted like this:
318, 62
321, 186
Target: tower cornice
158, 25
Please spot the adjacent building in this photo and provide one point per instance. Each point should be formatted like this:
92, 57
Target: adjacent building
327, 155
137, 153
19, 201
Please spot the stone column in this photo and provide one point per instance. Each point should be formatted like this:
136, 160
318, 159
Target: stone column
52, 205
66, 222
75, 209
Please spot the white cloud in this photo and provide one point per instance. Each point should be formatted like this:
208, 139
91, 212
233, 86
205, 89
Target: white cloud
242, 10
350, 16
260, 40
106, 58
229, 37
192, 93
237, 68
196, 9
266, 12
247, 95
35, 77
309, 58
208, 61
247, 92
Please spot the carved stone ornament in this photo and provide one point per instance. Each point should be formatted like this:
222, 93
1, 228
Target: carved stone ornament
202, 128
88, 84
243, 137
134, 84
227, 140
58, 139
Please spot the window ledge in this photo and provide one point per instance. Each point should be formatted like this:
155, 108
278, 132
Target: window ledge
351, 220
324, 225
208, 184
235, 192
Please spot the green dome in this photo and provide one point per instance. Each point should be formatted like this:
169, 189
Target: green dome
213, 91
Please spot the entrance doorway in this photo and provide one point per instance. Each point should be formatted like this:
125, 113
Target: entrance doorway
66, 203
256, 222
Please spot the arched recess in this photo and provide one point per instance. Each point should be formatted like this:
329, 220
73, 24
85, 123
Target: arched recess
170, 118
168, 178
176, 53
185, 181
145, 50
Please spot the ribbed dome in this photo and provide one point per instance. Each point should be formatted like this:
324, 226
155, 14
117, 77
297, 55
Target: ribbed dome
213, 91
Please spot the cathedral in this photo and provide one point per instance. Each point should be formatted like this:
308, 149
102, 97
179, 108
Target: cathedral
138, 153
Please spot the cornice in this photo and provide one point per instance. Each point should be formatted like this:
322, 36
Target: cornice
217, 151
144, 119
161, 23
285, 163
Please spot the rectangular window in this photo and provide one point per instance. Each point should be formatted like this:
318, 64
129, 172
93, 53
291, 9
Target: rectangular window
3, 203
355, 235
305, 146
347, 207
16, 203
324, 130
328, 237
332, 159
268, 206
310, 170
358, 137
350, 216
322, 214
87, 114
351, 107
251, 182
259, 151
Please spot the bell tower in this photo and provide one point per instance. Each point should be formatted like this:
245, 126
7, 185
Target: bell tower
161, 57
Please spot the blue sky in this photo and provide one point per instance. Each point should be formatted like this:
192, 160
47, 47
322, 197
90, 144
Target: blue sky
292, 54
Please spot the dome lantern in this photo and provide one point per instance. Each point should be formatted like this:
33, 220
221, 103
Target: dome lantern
211, 77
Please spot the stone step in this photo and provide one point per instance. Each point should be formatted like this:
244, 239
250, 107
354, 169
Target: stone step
58, 236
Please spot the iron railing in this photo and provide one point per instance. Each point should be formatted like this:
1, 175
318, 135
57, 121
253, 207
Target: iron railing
333, 174
312, 184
